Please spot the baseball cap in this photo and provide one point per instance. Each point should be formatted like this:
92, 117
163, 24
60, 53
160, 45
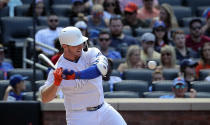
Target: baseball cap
179, 80
188, 62
131, 7
146, 37
1, 48
14, 79
73, 1
81, 25
159, 24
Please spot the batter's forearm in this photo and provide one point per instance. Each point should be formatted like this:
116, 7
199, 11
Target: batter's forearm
49, 93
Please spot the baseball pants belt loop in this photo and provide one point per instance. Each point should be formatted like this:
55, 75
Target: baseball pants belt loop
94, 108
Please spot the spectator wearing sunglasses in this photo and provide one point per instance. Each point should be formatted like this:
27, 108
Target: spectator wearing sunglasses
195, 39
160, 32
104, 41
48, 35
130, 19
179, 89
168, 58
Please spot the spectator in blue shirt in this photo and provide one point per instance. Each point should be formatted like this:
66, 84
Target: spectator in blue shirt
4, 66
14, 91
104, 42
179, 89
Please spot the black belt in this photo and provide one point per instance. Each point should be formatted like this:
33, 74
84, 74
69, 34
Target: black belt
94, 108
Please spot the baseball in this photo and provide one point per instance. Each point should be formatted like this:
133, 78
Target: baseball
152, 64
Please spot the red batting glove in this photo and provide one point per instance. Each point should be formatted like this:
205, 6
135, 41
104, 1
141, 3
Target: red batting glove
58, 76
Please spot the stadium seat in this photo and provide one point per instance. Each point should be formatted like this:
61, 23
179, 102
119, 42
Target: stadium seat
185, 29
21, 10
203, 74
4, 12
117, 62
3, 86
181, 12
201, 86
106, 86
15, 29
171, 2
115, 73
121, 94
156, 94
199, 95
63, 21
28, 85
31, 28
200, 10
27, 72
132, 85
138, 74
62, 10
170, 74
186, 21
163, 85
196, 3
28, 96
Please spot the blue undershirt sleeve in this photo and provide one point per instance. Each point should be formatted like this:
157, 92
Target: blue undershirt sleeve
89, 73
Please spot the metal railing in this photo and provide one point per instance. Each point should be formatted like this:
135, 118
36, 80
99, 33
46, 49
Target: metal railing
28, 61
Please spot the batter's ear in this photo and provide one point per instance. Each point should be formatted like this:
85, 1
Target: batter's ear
64, 46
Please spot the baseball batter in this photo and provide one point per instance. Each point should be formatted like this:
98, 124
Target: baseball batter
79, 75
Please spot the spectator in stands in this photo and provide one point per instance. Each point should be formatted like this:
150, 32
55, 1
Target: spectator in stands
133, 60
167, 16
195, 39
123, 3
48, 35
206, 27
179, 89
157, 75
4, 66
187, 69
104, 41
148, 52
78, 11
182, 52
39, 9
14, 91
96, 21
120, 41
204, 62
111, 7
160, 32
168, 58
148, 11
130, 19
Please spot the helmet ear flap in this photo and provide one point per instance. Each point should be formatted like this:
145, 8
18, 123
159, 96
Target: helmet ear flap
85, 46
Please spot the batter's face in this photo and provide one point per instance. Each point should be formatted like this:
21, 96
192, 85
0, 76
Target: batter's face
72, 52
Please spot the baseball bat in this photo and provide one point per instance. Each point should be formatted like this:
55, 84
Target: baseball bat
45, 59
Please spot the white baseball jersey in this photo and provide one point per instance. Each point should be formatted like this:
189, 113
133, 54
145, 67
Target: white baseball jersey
80, 94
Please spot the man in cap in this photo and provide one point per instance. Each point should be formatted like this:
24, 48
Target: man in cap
179, 89
79, 75
14, 91
131, 19
148, 52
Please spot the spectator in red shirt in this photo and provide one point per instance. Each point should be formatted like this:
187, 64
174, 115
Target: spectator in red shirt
195, 39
